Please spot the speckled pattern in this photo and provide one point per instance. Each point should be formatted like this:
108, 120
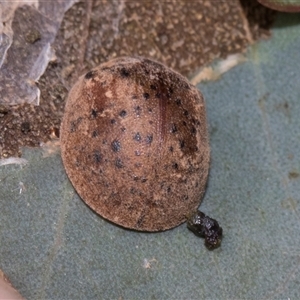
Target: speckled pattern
134, 143
184, 35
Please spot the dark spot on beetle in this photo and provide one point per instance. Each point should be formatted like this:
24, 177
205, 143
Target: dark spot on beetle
75, 124
97, 156
137, 137
144, 180
140, 220
90, 74
149, 139
175, 166
116, 146
158, 95
138, 110
169, 189
124, 72
184, 123
178, 101
25, 127
193, 130
146, 96
185, 197
112, 121
94, 113
153, 87
135, 178
171, 90
150, 122
173, 128
137, 152
171, 148
196, 122
185, 112
95, 133
134, 97
182, 144
123, 129
119, 163
122, 113
132, 190
104, 142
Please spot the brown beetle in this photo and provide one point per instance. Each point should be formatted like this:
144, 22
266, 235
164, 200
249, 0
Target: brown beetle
135, 145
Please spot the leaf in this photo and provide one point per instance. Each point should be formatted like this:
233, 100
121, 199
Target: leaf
282, 5
54, 246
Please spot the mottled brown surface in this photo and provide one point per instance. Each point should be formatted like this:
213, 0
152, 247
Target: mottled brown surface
184, 36
258, 18
134, 143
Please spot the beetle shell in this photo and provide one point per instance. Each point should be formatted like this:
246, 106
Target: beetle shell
134, 143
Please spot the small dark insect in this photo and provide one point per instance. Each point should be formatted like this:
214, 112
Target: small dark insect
205, 227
